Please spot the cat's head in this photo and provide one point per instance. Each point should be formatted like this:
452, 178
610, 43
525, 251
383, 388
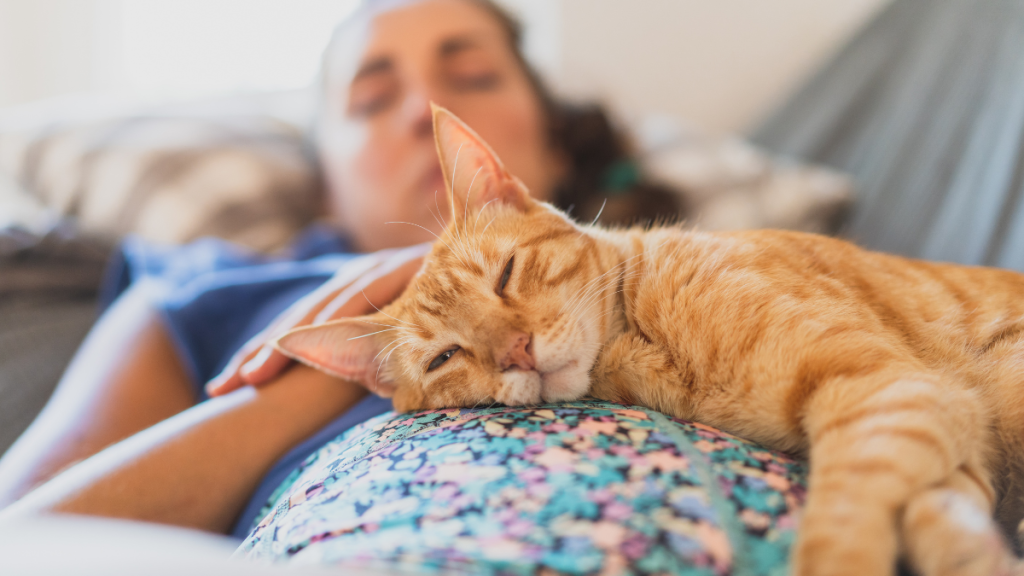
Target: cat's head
511, 305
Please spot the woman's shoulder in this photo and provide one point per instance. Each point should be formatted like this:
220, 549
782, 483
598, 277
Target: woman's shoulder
209, 262
214, 295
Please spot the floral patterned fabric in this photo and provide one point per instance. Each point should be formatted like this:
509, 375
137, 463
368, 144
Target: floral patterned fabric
578, 488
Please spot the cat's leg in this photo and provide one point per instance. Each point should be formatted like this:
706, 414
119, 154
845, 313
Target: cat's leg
876, 441
633, 370
948, 530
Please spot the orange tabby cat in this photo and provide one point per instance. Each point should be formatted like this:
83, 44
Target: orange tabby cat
899, 379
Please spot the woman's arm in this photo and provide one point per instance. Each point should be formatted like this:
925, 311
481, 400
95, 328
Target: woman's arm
197, 468
124, 378
127, 377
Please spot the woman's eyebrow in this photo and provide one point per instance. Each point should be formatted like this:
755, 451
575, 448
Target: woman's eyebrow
377, 65
453, 46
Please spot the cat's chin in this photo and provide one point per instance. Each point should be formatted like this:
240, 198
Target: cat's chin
570, 382
524, 387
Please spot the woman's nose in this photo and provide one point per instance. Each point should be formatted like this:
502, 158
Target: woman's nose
416, 111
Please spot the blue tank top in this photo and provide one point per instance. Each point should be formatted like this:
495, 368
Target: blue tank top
220, 296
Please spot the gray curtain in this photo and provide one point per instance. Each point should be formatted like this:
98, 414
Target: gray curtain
925, 108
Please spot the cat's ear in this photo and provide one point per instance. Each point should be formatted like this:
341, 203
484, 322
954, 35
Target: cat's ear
473, 174
347, 348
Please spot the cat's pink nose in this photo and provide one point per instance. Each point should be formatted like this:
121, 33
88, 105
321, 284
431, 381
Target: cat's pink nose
517, 353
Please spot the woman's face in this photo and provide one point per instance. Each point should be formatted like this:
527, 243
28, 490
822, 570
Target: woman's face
375, 135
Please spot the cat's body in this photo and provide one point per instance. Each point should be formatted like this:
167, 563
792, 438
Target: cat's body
900, 380
740, 330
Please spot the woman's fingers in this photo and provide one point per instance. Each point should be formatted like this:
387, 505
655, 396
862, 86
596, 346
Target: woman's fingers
266, 364
230, 378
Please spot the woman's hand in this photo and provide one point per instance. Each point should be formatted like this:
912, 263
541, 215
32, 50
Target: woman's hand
360, 286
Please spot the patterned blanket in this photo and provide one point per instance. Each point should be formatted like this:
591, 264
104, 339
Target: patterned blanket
579, 488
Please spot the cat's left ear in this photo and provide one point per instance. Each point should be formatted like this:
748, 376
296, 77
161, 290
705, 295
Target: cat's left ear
473, 174
350, 348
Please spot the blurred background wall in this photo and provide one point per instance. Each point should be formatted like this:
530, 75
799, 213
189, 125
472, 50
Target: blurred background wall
720, 65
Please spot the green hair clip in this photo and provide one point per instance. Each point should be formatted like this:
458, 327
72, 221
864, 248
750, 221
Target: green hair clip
620, 177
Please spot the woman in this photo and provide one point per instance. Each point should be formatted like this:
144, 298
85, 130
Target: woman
133, 384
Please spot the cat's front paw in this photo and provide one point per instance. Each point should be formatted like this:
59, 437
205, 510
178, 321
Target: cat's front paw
846, 537
520, 388
947, 533
570, 382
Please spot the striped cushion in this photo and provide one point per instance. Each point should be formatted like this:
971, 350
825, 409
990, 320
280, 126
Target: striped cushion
169, 177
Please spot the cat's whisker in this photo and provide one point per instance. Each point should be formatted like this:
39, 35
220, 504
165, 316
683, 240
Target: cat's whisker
603, 314
476, 224
455, 173
439, 239
599, 212
385, 361
592, 298
376, 376
379, 324
582, 306
383, 348
598, 283
488, 225
375, 333
624, 263
457, 239
589, 286
363, 292
438, 217
463, 253
465, 209
389, 344
596, 286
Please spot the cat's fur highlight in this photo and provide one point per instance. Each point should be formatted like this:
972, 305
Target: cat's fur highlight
899, 379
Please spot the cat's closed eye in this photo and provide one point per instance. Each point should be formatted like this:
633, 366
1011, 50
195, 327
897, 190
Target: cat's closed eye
505, 275
442, 358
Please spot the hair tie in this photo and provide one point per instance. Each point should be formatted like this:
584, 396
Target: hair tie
620, 177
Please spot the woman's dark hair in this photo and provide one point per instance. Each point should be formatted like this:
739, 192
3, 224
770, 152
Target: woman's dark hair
603, 176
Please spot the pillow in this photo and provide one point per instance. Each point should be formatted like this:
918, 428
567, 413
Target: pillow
727, 183
574, 488
169, 176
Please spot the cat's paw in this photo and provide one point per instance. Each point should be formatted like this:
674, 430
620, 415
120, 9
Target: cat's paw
945, 533
843, 533
570, 382
520, 388
837, 552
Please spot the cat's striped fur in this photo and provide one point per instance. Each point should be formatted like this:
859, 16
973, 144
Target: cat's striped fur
901, 380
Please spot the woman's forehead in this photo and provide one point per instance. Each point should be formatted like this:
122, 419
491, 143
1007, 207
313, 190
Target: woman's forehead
411, 31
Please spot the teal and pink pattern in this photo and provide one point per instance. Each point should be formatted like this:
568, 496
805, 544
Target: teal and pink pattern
580, 488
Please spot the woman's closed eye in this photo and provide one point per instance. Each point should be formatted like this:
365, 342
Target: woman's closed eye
442, 358
476, 81
372, 94
470, 67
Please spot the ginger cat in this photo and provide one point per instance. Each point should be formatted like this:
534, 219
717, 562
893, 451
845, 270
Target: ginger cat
900, 380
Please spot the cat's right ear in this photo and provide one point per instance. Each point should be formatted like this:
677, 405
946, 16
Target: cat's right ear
347, 348
473, 174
